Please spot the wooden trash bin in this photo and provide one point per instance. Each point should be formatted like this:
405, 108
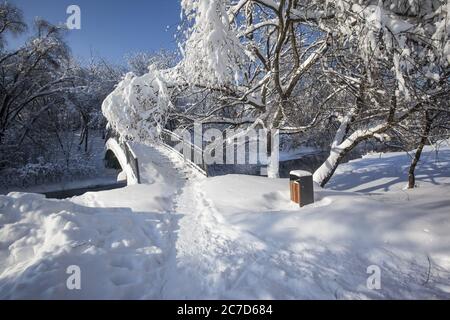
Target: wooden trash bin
295, 191
302, 187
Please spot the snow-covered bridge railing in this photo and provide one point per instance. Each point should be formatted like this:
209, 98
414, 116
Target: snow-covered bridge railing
126, 157
192, 154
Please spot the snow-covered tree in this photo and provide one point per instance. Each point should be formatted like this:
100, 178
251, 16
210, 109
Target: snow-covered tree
139, 106
11, 22
212, 52
47, 101
139, 62
376, 63
392, 56
258, 52
252, 54
30, 74
95, 81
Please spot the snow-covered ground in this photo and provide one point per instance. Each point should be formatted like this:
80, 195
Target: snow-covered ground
387, 172
180, 235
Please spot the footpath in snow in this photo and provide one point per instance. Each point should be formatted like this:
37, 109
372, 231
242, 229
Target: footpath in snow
180, 235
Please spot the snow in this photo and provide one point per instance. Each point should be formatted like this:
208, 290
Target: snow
119, 251
323, 250
396, 28
301, 173
138, 106
182, 236
388, 172
212, 52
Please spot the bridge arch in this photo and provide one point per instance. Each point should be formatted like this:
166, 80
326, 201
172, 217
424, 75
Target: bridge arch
122, 157
111, 160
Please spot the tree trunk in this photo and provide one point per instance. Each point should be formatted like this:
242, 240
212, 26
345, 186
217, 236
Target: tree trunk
86, 140
339, 151
273, 169
417, 156
273, 144
324, 174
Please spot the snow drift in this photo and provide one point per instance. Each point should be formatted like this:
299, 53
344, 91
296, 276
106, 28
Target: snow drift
118, 251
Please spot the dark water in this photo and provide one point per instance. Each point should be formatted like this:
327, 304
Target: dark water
308, 162
64, 194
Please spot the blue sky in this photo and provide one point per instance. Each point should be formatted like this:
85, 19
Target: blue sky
110, 28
